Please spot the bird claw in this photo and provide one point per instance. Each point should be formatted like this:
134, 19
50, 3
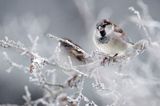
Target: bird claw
103, 62
109, 59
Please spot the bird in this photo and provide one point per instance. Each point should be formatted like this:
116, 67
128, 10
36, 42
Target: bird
111, 40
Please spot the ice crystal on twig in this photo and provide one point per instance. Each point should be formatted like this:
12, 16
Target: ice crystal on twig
111, 86
27, 97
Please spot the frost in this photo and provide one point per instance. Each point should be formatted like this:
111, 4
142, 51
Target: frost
115, 79
76, 80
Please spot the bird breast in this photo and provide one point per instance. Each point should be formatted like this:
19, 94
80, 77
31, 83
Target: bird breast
115, 45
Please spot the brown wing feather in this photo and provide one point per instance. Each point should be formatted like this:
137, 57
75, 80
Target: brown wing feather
74, 49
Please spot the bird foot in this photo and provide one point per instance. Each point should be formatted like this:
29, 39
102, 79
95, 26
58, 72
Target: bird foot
109, 59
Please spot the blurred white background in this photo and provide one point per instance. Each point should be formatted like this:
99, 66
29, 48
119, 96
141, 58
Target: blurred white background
76, 19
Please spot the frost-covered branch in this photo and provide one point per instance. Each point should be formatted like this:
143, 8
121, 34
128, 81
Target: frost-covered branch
39, 75
105, 71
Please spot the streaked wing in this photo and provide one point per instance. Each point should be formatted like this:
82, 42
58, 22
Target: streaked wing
74, 49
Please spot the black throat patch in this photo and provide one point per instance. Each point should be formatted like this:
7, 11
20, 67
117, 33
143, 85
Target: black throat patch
104, 39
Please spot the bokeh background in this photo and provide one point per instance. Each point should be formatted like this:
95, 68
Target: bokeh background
75, 19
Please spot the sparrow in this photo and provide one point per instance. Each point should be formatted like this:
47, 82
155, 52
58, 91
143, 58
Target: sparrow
111, 40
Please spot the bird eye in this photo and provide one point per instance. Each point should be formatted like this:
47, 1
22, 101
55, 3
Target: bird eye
101, 27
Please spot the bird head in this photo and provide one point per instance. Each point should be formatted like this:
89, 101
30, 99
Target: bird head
101, 31
102, 24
